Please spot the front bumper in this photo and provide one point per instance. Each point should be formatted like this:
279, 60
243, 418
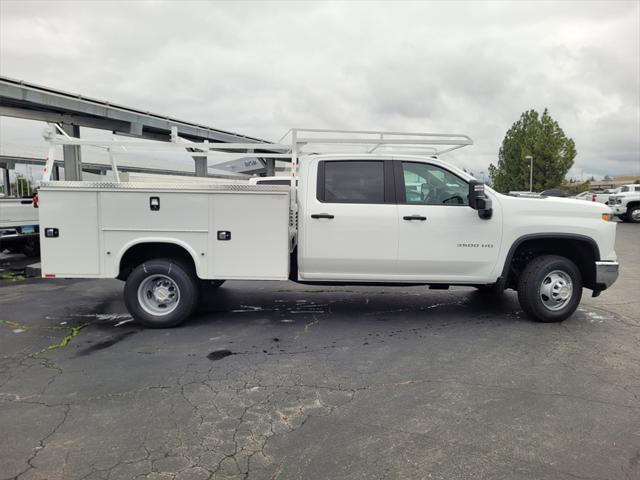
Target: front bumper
618, 209
606, 275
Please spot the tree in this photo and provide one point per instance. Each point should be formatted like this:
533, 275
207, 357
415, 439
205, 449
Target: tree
542, 138
574, 187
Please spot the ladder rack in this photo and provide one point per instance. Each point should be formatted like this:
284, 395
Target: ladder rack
301, 141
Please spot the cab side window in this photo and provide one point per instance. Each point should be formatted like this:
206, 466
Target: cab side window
426, 184
351, 181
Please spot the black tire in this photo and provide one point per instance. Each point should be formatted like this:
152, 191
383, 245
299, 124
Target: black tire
31, 248
531, 283
633, 214
167, 270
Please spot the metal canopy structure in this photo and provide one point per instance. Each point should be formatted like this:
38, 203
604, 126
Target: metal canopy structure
71, 111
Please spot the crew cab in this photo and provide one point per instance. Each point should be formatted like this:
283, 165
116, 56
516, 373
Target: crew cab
381, 216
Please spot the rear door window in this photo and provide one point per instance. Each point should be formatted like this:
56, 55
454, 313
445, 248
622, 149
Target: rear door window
352, 181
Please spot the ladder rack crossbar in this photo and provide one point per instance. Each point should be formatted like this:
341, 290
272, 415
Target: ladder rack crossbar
154, 146
357, 141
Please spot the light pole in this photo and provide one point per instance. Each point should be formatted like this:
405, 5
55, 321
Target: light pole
530, 158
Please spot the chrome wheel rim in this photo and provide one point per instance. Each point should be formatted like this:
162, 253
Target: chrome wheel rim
635, 214
556, 290
158, 295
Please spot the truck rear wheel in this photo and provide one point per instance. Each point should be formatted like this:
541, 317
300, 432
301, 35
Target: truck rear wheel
550, 288
161, 293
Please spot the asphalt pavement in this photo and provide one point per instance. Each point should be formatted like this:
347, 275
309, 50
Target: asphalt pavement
281, 381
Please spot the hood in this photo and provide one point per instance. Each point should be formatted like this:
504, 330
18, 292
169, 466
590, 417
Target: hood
555, 205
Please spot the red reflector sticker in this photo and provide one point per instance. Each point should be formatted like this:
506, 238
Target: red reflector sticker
49, 275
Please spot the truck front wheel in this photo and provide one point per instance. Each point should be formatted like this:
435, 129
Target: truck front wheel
633, 214
161, 293
550, 288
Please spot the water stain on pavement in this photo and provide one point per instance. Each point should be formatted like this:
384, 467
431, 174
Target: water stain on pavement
219, 354
105, 343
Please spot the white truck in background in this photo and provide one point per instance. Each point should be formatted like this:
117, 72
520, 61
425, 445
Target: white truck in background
601, 197
19, 226
626, 203
605, 196
391, 213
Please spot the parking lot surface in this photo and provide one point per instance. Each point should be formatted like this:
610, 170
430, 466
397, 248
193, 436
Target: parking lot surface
282, 381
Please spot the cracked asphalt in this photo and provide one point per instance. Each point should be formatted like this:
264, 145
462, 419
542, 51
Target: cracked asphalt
281, 381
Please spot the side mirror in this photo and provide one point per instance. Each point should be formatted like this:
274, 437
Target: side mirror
478, 200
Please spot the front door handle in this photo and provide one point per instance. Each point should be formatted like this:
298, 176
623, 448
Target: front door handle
321, 215
414, 217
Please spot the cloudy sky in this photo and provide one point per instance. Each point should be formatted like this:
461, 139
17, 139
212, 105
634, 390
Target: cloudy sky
259, 68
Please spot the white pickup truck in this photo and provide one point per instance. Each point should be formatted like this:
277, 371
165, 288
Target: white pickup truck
605, 196
625, 203
19, 226
386, 216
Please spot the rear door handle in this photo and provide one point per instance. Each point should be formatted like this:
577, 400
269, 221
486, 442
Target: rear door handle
415, 217
321, 215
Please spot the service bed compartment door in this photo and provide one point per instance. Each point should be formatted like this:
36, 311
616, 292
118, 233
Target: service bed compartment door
350, 224
249, 235
74, 251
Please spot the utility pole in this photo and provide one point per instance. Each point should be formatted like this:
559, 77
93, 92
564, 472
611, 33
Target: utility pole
530, 158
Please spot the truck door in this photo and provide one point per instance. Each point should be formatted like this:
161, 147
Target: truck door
440, 237
349, 223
